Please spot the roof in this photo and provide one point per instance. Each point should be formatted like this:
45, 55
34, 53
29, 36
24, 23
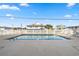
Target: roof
73, 27
11, 27
35, 28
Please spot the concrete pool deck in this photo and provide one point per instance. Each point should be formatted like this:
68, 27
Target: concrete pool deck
38, 47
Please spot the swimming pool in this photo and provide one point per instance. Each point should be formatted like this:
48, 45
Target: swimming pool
38, 37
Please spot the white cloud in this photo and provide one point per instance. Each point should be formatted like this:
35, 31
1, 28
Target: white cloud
71, 4
34, 13
68, 16
70, 20
24, 4
9, 15
12, 18
75, 14
8, 7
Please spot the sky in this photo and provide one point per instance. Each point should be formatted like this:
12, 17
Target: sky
15, 14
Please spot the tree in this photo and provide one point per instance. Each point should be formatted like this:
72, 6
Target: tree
37, 25
48, 26
60, 27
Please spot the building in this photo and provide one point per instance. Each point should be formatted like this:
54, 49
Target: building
11, 30
36, 29
75, 28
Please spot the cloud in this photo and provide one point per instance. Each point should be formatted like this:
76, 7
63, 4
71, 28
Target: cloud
75, 14
34, 13
68, 16
9, 15
71, 4
12, 18
24, 4
70, 20
8, 7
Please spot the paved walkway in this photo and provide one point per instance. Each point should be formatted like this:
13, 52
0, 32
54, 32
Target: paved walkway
39, 47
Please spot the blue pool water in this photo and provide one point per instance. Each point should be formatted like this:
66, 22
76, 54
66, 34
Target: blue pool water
39, 37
